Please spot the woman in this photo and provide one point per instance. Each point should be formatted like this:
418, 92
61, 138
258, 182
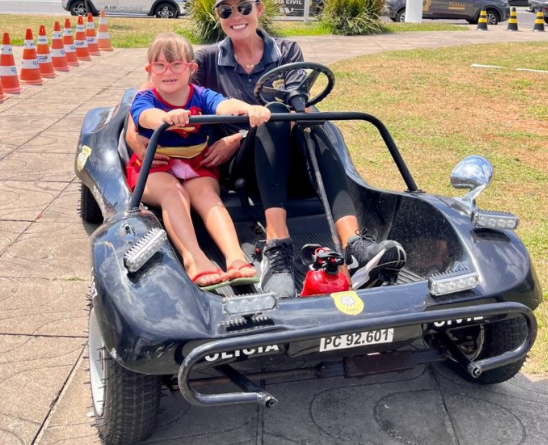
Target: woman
233, 67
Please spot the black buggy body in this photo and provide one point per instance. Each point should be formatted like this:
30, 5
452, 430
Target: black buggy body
466, 294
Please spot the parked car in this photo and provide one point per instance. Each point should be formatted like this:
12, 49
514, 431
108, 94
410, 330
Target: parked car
469, 10
539, 5
167, 9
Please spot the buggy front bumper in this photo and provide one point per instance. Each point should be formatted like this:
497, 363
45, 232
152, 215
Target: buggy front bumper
253, 394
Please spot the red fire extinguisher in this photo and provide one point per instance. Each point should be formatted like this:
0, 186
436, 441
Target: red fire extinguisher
324, 276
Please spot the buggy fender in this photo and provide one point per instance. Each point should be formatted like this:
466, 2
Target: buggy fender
97, 163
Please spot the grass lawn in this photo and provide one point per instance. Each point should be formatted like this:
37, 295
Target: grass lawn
139, 32
439, 109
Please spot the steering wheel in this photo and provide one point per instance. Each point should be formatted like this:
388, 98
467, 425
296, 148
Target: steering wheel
297, 96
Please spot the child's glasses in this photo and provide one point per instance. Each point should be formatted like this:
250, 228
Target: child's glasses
244, 8
176, 67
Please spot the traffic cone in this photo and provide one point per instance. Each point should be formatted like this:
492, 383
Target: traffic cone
513, 21
482, 22
68, 42
539, 22
91, 37
58, 55
103, 38
44, 56
30, 69
3, 96
8, 71
80, 41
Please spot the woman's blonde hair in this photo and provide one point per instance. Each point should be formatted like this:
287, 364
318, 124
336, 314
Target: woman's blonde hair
174, 47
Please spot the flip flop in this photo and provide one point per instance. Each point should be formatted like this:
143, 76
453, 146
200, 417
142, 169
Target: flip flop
243, 280
210, 286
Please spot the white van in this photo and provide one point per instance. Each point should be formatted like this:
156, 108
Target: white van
160, 8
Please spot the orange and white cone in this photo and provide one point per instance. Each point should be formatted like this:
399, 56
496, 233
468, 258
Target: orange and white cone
103, 37
91, 37
44, 55
80, 41
30, 69
8, 70
3, 96
68, 42
58, 55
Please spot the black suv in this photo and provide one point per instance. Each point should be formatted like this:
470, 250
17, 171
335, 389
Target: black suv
469, 10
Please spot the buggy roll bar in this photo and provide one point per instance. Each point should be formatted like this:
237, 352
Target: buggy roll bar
253, 394
312, 118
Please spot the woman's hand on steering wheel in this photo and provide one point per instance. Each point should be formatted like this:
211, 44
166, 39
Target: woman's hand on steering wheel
221, 151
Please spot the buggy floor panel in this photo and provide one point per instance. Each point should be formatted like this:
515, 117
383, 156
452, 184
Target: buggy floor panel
310, 229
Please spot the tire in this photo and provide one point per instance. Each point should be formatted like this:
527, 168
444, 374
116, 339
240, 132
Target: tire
493, 17
546, 20
78, 7
501, 337
89, 209
166, 10
400, 16
125, 403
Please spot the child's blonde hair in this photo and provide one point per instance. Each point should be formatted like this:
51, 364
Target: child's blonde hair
174, 47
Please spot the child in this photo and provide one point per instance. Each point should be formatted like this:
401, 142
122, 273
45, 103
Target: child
181, 183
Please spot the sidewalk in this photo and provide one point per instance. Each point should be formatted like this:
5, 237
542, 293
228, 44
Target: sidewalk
44, 274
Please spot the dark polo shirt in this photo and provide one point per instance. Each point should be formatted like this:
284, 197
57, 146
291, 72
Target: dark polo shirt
219, 71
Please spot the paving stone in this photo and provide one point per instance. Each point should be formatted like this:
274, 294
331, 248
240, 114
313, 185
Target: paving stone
57, 167
48, 250
43, 307
9, 231
32, 373
25, 201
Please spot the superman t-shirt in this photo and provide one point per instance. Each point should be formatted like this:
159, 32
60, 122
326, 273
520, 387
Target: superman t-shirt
191, 140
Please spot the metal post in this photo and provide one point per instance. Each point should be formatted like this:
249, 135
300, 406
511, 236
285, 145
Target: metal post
306, 12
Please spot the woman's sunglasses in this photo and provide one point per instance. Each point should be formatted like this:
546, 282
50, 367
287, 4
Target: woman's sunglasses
176, 67
244, 8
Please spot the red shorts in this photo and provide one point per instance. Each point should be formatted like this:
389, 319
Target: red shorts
184, 169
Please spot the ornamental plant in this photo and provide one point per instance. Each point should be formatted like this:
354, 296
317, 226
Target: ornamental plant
353, 17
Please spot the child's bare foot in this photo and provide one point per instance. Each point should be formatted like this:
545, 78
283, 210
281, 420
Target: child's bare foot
240, 269
204, 273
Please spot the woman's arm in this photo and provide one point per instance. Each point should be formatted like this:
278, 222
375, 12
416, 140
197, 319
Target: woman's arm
221, 151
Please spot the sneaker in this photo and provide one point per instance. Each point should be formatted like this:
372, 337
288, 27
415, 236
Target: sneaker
277, 268
370, 263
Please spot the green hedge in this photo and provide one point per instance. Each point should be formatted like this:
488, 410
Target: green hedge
353, 17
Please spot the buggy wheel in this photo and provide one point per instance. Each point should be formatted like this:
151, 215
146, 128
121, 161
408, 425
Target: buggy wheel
125, 403
500, 337
89, 209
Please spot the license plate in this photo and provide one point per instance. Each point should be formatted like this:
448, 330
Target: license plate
356, 339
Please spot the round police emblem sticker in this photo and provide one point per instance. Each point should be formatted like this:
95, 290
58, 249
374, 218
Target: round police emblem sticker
348, 302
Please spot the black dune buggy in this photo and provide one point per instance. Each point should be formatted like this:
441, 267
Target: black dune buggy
466, 294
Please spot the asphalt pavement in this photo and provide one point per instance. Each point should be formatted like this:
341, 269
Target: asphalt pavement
44, 276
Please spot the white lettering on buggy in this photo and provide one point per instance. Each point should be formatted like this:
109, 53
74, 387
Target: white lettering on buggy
456, 322
243, 352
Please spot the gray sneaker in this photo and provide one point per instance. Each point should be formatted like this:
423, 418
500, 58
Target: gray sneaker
371, 263
277, 273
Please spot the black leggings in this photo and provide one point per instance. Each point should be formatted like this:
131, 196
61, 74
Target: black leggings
274, 158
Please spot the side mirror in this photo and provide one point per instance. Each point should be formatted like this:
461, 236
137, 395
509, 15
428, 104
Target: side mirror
473, 173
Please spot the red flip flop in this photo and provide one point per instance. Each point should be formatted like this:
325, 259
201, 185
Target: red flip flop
210, 286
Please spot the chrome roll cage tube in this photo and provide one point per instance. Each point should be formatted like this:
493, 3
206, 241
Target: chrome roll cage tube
254, 394
310, 118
